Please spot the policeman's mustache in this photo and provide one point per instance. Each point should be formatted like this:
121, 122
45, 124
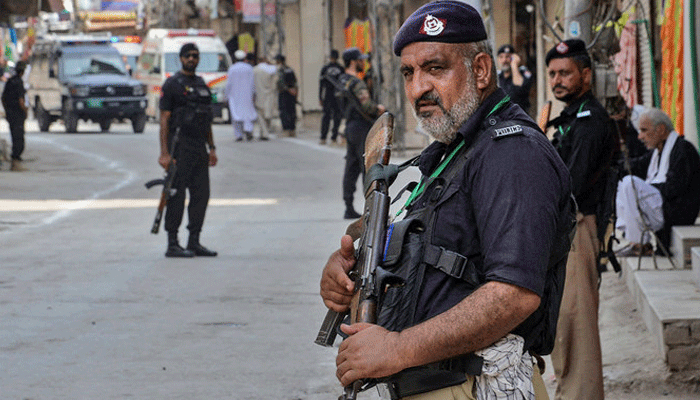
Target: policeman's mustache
559, 87
430, 98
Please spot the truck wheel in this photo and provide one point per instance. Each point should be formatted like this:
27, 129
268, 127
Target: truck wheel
138, 122
42, 117
105, 124
70, 119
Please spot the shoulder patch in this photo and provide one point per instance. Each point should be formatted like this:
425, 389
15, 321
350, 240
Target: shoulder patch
507, 131
584, 114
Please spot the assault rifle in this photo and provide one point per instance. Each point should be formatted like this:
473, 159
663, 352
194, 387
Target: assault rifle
544, 116
167, 183
349, 96
370, 279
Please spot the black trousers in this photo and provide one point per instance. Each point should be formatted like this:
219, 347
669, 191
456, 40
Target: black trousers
331, 111
355, 133
16, 121
288, 111
193, 175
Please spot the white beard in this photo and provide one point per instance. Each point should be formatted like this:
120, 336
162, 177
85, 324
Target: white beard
443, 127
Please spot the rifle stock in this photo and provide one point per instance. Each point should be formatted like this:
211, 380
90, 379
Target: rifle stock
371, 246
167, 183
544, 116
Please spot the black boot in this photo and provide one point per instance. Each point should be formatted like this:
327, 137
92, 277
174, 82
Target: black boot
174, 248
350, 212
197, 249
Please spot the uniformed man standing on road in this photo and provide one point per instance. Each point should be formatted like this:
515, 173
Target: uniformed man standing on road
585, 142
484, 242
513, 78
16, 113
360, 113
185, 111
327, 98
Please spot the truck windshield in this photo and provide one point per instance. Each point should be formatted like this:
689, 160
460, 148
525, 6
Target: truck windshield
208, 62
82, 64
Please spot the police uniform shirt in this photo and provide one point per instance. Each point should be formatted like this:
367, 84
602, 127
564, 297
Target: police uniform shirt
175, 97
501, 209
584, 141
14, 90
519, 94
326, 92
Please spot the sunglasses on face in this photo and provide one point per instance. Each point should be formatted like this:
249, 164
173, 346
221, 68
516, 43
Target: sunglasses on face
191, 55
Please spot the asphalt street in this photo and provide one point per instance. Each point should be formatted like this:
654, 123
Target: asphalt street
91, 308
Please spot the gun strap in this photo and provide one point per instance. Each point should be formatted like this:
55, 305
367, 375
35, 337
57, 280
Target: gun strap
386, 173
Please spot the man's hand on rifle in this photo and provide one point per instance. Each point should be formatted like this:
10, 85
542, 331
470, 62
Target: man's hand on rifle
370, 351
212, 157
336, 286
164, 160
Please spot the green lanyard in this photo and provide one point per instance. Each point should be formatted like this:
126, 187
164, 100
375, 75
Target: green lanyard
568, 128
418, 190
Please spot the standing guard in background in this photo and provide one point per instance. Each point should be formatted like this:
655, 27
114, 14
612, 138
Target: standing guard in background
360, 112
515, 79
327, 98
186, 117
13, 97
287, 100
585, 141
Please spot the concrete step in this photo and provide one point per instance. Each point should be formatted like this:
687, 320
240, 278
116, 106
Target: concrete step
682, 239
695, 257
669, 302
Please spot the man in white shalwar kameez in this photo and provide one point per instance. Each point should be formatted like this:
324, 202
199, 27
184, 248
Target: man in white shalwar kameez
265, 76
240, 91
669, 193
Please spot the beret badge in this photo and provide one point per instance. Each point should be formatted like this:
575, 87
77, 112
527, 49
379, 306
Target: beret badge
562, 48
432, 26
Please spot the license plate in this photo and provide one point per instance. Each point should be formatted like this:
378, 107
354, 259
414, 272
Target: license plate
94, 103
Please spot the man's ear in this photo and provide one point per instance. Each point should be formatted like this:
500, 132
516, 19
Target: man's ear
587, 75
482, 67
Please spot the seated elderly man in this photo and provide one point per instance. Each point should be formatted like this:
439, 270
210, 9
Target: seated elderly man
667, 184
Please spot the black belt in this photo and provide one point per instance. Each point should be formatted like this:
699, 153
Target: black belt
434, 376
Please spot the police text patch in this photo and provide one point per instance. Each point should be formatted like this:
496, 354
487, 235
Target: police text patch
507, 131
582, 114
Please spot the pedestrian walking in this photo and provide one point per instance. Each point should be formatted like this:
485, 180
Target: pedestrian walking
481, 269
185, 120
240, 91
265, 79
584, 140
13, 101
327, 97
288, 91
361, 112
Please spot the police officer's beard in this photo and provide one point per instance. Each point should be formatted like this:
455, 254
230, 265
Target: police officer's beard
444, 127
189, 66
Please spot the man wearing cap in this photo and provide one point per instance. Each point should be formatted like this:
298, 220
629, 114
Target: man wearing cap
360, 113
240, 91
584, 140
481, 267
16, 113
513, 78
326, 97
185, 115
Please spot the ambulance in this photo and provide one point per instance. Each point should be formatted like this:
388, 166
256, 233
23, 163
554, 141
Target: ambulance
160, 59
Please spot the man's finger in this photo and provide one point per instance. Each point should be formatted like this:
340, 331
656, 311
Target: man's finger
347, 249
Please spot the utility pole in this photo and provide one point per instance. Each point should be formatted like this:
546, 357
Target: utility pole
384, 20
578, 20
271, 32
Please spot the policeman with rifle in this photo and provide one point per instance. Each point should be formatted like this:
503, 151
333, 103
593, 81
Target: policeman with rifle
460, 297
185, 134
360, 111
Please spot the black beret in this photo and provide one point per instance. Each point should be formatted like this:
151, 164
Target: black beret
334, 54
187, 47
446, 21
566, 49
506, 48
353, 53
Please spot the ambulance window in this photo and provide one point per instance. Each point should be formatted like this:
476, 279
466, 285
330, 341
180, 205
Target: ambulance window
147, 61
